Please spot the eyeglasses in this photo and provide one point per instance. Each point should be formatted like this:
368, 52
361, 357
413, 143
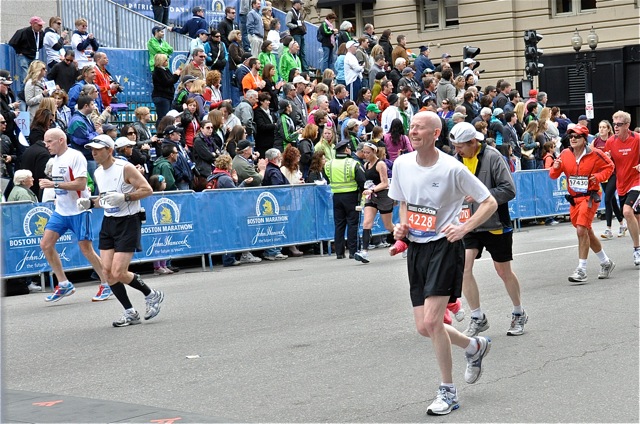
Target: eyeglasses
575, 136
619, 124
202, 56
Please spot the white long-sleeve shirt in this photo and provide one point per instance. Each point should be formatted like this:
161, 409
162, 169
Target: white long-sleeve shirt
352, 69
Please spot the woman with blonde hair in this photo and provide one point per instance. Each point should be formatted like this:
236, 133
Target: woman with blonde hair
163, 81
34, 87
519, 126
552, 126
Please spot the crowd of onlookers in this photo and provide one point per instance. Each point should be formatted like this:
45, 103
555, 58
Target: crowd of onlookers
368, 90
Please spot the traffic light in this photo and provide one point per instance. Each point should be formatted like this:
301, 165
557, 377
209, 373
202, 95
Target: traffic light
471, 52
532, 53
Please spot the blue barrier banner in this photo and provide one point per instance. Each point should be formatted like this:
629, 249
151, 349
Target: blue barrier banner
173, 227
22, 229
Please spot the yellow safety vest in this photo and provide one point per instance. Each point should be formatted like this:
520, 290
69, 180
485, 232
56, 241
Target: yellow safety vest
342, 175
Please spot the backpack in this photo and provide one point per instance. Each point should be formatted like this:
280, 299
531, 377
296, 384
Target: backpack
181, 97
212, 182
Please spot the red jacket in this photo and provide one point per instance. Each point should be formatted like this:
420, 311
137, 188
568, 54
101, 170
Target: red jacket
103, 81
594, 163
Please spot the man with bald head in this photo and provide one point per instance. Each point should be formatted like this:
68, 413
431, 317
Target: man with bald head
431, 187
69, 180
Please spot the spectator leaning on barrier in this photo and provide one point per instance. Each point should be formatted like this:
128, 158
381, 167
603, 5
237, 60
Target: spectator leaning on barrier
192, 26
65, 72
54, 42
157, 45
27, 42
83, 43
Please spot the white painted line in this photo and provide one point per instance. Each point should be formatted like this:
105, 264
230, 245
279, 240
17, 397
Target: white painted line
546, 250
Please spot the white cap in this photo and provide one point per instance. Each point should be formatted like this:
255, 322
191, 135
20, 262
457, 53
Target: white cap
300, 79
469, 61
463, 132
352, 44
100, 142
124, 141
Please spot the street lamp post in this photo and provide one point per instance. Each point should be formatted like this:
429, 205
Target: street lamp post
587, 63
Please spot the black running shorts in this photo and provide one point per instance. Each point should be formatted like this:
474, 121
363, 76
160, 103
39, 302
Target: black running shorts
499, 246
121, 233
435, 269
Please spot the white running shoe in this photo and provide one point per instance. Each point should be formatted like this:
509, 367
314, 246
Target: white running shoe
607, 235
445, 402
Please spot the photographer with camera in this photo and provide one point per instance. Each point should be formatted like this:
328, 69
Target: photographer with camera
106, 85
83, 43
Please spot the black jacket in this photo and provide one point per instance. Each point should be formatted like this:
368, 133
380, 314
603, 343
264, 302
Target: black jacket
265, 134
24, 42
35, 159
216, 60
387, 48
163, 82
64, 75
225, 27
273, 176
205, 152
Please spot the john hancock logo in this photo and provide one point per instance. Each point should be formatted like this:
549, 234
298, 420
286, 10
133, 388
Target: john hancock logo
169, 235
25, 251
270, 225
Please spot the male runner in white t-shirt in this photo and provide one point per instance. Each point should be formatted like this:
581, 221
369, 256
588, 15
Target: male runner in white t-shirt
69, 180
431, 186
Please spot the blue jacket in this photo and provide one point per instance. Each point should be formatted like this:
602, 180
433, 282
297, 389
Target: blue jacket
422, 62
81, 131
254, 24
74, 93
192, 26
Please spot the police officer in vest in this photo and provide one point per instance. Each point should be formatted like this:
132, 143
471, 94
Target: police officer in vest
347, 178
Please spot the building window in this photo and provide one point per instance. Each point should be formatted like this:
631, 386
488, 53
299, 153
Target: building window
439, 14
572, 7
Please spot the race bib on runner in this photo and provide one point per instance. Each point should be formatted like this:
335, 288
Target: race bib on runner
465, 214
422, 220
579, 183
106, 206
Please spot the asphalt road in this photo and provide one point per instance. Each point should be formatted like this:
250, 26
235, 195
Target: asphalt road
314, 339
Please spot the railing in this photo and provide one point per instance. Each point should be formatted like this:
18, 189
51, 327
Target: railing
117, 26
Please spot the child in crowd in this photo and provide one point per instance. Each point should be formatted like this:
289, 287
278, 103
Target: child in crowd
549, 154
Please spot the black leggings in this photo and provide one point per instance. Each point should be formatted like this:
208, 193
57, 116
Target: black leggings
610, 205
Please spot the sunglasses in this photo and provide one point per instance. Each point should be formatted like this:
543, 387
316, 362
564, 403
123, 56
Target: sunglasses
619, 124
202, 57
58, 23
216, 36
131, 133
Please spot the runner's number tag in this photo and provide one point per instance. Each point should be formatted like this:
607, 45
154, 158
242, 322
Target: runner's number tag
465, 214
422, 220
579, 183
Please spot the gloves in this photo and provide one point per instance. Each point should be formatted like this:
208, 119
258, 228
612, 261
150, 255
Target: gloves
114, 199
83, 204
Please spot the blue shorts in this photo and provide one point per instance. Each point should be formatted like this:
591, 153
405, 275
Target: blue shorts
80, 225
